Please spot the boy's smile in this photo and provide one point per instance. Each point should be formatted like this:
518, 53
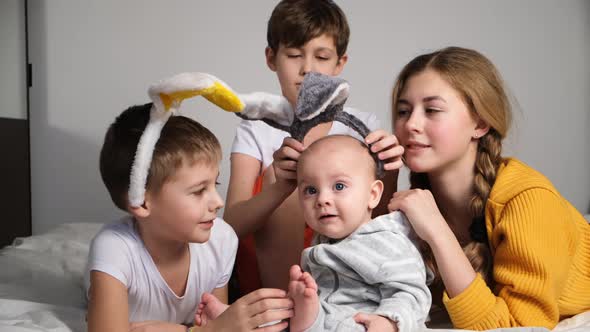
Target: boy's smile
206, 224
292, 63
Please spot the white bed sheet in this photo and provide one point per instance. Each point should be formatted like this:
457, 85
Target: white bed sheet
41, 280
41, 284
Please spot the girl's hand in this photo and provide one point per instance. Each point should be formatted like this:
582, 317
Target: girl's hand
421, 210
285, 161
375, 323
387, 147
257, 308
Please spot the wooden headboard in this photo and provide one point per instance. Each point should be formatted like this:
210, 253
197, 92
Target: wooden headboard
15, 192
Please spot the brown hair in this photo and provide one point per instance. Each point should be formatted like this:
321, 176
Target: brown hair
295, 22
182, 140
481, 87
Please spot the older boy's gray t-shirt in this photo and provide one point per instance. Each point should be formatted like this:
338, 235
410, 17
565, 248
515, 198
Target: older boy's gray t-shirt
259, 140
119, 251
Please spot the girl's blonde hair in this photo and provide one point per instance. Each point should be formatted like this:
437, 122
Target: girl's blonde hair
481, 87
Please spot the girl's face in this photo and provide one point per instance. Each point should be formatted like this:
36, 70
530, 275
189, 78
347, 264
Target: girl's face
434, 125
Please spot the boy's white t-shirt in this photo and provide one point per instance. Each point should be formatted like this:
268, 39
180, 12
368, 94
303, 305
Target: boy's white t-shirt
119, 251
259, 140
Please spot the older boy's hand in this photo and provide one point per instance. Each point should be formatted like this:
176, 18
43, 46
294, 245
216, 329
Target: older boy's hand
375, 323
285, 162
387, 147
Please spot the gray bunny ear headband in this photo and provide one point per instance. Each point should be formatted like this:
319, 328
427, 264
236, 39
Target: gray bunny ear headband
321, 99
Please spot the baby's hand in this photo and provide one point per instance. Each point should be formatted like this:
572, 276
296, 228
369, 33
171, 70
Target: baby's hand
209, 308
375, 323
387, 147
285, 161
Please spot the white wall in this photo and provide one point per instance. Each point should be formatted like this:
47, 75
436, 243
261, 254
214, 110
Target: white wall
12, 60
94, 58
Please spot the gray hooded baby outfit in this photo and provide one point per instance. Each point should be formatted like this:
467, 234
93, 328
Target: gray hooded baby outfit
376, 270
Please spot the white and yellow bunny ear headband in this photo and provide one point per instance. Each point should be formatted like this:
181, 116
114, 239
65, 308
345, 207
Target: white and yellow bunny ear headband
168, 94
321, 99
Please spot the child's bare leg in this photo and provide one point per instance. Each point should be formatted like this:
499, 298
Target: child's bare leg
209, 308
304, 292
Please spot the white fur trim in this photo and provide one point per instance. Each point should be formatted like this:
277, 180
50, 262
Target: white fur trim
143, 156
262, 105
158, 118
258, 105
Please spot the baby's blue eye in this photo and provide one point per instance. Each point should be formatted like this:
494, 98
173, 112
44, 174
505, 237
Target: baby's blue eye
339, 186
310, 191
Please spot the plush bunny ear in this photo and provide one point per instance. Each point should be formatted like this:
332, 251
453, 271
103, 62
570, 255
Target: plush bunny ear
321, 99
318, 92
168, 94
272, 109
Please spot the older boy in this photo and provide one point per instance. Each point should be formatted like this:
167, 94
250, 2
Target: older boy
303, 36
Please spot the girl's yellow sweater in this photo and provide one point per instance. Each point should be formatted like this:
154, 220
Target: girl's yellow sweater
541, 252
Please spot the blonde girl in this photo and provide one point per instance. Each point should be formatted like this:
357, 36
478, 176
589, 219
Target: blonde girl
507, 248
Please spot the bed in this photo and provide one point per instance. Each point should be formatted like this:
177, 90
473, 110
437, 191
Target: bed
41, 284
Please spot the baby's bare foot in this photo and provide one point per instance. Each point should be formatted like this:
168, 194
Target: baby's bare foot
304, 292
209, 308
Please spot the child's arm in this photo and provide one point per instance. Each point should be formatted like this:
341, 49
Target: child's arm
244, 212
107, 308
221, 293
406, 298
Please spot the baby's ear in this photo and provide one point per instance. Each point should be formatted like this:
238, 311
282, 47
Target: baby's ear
375, 194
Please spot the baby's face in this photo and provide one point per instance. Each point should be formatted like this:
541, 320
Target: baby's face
337, 188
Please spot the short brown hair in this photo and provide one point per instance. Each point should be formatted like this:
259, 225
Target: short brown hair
182, 140
295, 22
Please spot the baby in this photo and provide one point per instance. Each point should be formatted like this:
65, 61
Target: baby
359, 272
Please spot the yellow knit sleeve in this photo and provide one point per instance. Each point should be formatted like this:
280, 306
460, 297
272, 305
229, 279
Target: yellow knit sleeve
532, 252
